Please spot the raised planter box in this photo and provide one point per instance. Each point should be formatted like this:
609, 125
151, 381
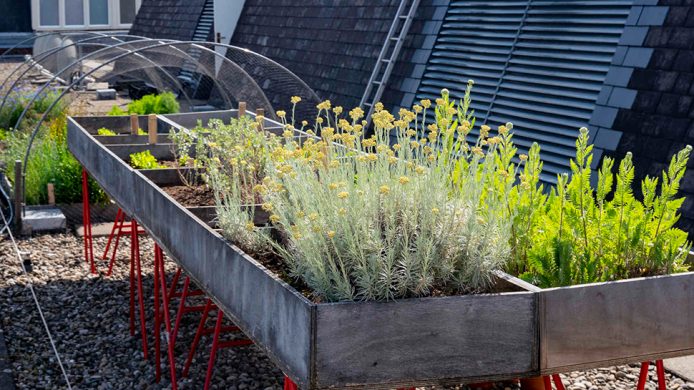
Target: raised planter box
604, 324
332, 345
407, 342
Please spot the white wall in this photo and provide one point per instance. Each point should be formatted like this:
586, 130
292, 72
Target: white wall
226, 16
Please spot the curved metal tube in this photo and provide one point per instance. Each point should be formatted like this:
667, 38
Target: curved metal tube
6, 52
46, 55
99, 51
77, 81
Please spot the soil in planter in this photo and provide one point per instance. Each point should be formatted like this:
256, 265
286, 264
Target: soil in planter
191, 196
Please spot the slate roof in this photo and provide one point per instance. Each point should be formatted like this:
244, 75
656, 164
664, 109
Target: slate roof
167, 19
647, 103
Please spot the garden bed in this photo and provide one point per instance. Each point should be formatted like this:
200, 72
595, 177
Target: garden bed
325, 345
438, 340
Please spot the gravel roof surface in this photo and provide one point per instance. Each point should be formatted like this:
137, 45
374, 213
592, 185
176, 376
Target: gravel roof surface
88, 316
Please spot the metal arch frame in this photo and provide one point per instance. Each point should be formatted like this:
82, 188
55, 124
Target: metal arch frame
123, 55
99, 51
44, 55
55, 51
246, 51
34, 37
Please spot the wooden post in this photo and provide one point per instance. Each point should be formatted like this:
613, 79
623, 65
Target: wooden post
51, 193
242, 109
152, 128
134, 124
260, 112
18, 197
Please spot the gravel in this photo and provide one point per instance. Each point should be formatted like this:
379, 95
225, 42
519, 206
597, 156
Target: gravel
88, 317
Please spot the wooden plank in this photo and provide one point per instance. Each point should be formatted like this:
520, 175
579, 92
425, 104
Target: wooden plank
603, 324
426, 341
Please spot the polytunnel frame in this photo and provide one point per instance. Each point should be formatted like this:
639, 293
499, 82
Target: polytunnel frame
44, 55
123, 55
35, 37
58, 49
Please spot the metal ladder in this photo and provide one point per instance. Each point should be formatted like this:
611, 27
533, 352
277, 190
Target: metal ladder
188, 73
388, 56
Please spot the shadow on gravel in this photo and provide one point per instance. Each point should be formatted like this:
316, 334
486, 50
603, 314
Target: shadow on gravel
89, 319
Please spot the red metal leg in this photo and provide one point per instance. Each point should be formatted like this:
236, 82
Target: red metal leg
174, 283
181, 309
167, 321
660, 369
110, 236
143, 325
289, 384
548, 382
558, 382
132, 289
196, 339
119, 224
643, 376
86, 221
213, 353
157, 317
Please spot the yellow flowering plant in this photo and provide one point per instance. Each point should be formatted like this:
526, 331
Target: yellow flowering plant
391, 215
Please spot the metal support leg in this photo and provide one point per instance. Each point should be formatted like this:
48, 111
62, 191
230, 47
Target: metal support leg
548, 382
138, 270
289, 384
215, 345
196, 339
166, 318
660, 369
87, 223
114, 229
558, 382
157, 316
132, 289
643, 376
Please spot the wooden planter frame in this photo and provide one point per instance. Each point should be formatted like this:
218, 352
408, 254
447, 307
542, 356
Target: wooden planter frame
424, 341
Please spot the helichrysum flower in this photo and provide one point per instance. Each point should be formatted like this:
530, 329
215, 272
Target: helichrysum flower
343, 195
417, 108
267, 206
384, 189
313, 216
523, 157
435, 210
295, 99
426, 103
281, 114
333, 186
325, 105
378, 107
337, 110
404, 180
330, 234
304, 123
484, 130
342, 211
356, 113
274, 218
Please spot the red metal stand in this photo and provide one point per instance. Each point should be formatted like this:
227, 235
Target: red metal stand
557, 382
162, 314
217, 344
120, 228
643, 376
183, 308
87, 223
289, 384
136, 279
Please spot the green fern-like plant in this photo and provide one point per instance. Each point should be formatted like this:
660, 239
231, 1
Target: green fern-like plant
585, 234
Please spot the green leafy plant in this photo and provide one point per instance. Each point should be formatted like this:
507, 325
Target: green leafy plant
50, 161
583, 236
163, 103
117, 111
105, 131
145, 160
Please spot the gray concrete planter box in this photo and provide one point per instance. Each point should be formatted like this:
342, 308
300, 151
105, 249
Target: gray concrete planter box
326, 345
